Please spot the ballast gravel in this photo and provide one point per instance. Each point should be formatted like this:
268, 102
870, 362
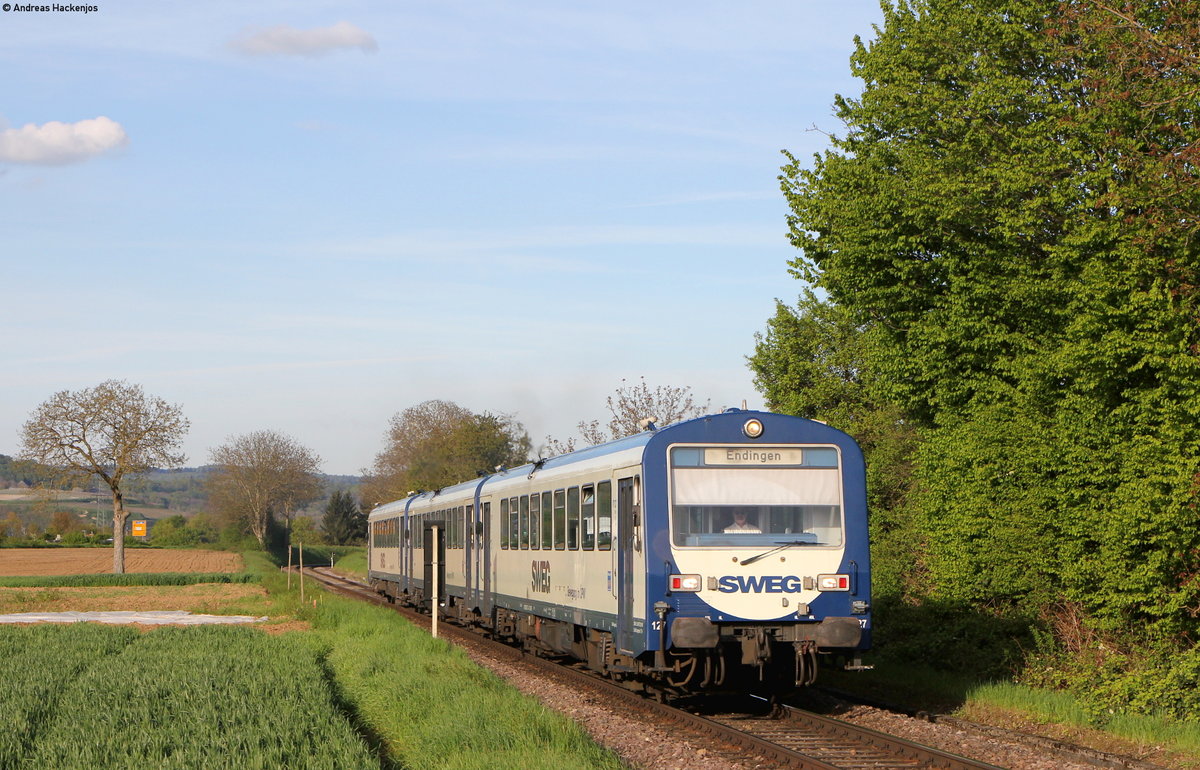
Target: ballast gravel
647, 747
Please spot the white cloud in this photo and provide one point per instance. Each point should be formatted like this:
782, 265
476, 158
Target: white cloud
289, 41
56, 143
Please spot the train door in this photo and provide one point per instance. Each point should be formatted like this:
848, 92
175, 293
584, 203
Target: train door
406, 552
428, 551
483, 556
467, 542
630, 585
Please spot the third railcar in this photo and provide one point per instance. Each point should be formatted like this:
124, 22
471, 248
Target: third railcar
722, 553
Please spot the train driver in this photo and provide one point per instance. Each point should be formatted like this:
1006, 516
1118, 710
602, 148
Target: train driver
741, 524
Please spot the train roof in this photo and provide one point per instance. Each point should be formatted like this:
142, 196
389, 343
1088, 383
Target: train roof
606, 454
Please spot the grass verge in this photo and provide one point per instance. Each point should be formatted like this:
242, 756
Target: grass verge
1055, 714
424, 701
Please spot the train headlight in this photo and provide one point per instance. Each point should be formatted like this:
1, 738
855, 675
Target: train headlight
753, 428
685, 582
833, 582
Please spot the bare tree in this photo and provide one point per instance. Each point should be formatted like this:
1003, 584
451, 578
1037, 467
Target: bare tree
631, 408
262, 473
111, 431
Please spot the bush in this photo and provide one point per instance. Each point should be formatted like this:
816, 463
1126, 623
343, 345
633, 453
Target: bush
1112, 674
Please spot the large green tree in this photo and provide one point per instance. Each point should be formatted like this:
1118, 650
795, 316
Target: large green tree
437, 443
1011, 209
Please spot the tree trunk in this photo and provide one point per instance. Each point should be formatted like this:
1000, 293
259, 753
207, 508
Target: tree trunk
119, 517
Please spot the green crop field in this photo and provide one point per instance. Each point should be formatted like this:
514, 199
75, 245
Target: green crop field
336, 684
212, 696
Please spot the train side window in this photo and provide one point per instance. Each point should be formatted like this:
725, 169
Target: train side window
547, 520
573, 518
524, 521
589, 517
535, 521
469, 524
560, 519
604, 515
514, 524
460, 527
504, 522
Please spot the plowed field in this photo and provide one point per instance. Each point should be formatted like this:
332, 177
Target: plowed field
83, 561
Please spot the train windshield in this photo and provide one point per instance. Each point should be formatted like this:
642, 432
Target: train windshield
739, 495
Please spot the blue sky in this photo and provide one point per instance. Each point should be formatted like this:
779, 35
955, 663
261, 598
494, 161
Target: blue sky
308, 216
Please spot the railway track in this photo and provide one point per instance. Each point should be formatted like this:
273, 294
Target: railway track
784, 737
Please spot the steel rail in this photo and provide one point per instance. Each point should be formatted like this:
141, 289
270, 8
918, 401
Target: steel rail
798, 739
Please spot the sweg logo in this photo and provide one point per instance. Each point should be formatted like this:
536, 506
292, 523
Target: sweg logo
771, 584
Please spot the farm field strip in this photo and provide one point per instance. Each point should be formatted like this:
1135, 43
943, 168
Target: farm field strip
210, 598
74, 561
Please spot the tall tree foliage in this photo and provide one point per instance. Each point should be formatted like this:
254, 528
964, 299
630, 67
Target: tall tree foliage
111, 431
1011, 208
261, 474
438, 443
817, 360
343, 522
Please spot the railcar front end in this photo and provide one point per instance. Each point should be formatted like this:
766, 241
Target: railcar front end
758, 561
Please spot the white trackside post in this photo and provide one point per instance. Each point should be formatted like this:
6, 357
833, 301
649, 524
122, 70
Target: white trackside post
434, 589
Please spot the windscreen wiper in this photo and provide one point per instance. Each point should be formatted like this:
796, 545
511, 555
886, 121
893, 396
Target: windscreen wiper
780, 547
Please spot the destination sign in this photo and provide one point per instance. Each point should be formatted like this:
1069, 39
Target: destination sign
736, 455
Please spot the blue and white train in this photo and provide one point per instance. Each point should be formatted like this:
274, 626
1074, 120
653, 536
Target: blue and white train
724, 553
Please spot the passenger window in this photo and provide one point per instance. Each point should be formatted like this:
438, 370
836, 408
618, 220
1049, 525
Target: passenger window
513, 523
589, 517
524, 521
560, 519
547, 521
535, 521
573, 518
504, 530
604, 515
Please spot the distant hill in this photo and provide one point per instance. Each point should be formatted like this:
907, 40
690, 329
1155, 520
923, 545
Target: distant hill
179, 490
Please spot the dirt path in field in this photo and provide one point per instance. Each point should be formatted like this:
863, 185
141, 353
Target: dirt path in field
83, 561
